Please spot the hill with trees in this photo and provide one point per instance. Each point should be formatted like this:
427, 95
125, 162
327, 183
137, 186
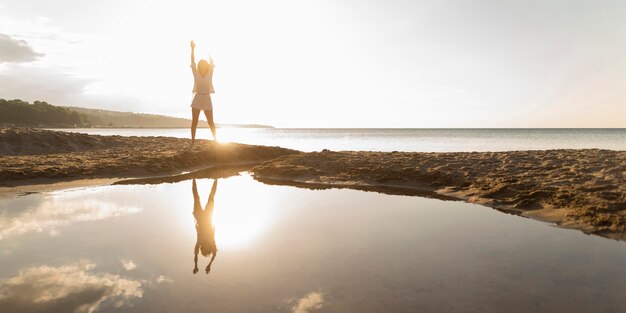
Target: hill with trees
41, 114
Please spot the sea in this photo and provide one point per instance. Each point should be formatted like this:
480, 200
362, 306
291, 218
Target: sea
414, 140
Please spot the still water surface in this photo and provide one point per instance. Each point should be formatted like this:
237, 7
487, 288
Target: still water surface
284, 249
418, 140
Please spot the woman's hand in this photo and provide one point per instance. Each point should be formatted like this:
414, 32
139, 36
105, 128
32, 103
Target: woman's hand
193, 44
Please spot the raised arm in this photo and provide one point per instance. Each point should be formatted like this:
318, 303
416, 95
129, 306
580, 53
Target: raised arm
196, 197
193, 48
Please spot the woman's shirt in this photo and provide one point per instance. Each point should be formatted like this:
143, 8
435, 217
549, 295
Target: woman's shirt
202, 84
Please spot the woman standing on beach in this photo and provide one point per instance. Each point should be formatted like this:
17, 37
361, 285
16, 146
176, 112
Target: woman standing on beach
202, 89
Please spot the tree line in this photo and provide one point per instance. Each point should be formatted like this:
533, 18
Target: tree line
39, 114
42, 114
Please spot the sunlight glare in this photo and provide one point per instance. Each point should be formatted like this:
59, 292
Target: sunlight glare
240, 219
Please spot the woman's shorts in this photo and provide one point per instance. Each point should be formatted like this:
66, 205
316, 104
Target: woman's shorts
202, 101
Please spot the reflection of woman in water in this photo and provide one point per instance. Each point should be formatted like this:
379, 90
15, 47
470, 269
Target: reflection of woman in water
205, 242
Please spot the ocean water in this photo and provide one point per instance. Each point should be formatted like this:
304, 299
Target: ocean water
284, 249
419, 140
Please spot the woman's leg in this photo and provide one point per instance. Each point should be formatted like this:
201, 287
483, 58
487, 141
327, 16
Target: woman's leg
195, 114
209, 118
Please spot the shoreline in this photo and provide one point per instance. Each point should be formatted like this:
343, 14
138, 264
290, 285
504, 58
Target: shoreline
582, 189
579, 189
550, 216
28, 186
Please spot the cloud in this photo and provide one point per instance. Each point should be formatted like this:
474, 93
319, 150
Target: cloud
78, 68
36, 83
163, 279
128, 265
59, 210
68, 288
309, 303
57, 86
16, 51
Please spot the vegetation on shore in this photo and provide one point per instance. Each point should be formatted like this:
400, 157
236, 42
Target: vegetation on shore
18, 113
40, 114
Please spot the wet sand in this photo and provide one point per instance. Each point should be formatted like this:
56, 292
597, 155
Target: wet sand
582, 189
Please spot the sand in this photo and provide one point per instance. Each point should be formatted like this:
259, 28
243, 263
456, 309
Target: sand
582, 189
33, 156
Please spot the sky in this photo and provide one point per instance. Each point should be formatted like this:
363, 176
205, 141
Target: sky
327, 63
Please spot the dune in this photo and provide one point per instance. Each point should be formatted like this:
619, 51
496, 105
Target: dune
582, 189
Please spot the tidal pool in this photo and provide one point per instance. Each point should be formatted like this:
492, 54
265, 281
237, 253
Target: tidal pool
131, 248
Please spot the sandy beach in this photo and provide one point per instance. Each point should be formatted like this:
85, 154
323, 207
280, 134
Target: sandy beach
581, 189
33, 156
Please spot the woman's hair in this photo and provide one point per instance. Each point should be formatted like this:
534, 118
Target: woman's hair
205, 250
203, 67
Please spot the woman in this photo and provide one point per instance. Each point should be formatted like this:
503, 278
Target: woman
202, 89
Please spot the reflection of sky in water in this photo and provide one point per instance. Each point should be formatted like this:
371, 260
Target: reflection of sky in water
68, 288
311, 302
283, 249
49, 212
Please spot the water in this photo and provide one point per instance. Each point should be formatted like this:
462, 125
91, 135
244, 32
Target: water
422, 140
283, 249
